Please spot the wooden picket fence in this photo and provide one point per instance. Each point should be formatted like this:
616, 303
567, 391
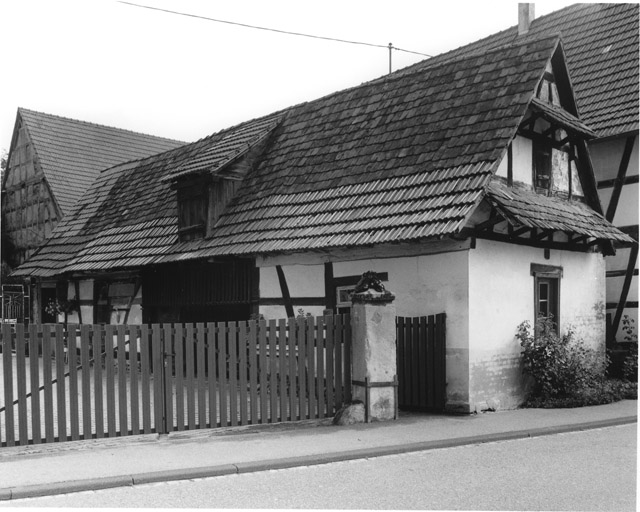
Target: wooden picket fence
421, 362
94, 381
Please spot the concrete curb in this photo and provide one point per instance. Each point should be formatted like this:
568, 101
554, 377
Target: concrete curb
92, 484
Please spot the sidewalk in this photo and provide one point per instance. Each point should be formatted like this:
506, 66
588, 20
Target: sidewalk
39, 470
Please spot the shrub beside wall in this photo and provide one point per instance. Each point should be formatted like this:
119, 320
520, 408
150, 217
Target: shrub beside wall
566, 373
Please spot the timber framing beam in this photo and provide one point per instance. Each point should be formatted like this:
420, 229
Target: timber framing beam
534, 241
284, 289
631, 265
620, 179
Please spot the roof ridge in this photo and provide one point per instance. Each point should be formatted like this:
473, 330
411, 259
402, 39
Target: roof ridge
526, 40
80, 121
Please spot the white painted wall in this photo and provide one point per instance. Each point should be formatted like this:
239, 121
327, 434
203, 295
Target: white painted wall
522, 160
606, 156
87, 295
423, 285
501, 296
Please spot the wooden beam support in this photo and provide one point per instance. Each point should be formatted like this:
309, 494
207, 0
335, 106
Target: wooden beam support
489, 223
510, 165
284, 289
631, 265
521, 231
628, 180
562, 246
622, 172
329, 287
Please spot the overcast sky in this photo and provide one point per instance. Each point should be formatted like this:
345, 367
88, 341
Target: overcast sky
184, 77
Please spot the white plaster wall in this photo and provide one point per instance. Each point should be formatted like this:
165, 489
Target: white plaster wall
302, 280
523, 160
86, 294
606, 156
501, 296
503, 168
627, 210
423, 285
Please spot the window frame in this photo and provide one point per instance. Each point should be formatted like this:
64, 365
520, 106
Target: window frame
551, 276
193, 209
541, 146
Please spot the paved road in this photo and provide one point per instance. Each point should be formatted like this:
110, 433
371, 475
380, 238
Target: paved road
591, 470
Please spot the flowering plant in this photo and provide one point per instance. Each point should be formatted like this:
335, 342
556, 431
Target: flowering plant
57, 307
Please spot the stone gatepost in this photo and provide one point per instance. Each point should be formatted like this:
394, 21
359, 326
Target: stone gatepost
374, 367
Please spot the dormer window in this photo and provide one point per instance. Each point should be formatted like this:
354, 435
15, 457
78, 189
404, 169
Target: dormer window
542, 164
193, 210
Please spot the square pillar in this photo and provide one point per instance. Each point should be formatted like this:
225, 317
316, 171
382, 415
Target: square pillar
374, 365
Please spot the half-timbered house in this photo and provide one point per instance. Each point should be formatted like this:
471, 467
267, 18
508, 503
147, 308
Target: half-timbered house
601, 45
52, 161
466, 184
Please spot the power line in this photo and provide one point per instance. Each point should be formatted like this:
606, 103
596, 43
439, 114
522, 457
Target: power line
389, 46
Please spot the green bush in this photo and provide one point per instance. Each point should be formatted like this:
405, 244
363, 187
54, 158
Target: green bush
561, 366
630, 364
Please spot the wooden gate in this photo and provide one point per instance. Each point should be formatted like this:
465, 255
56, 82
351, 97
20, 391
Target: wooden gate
421, 362
77, 382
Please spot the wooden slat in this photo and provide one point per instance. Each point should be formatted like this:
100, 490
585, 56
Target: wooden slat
48, 347
85, 345
74, 404
109, 362
201, 365
191, 378
330, 365
34, 363
293, 374
21, 375
145, 370
338, 372
409, 362
282, 369
178, 370
7, 366
415, 366
61, 383
400, 357
347, 357
222, 355
157, 349
252, 340
134, 395
122, 381
272, 341
169, 348
431, 361
302, 368
232, 338
320, 359
243, 369
264, 371
311, 368
98, 356
212, 365
441, 361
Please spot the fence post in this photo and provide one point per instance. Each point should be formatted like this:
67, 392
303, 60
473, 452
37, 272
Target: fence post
373, 327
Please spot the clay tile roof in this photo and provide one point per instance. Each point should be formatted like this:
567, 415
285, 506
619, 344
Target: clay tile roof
402, 158
524, 207
562, 117
229, 148
601, 42
73, 152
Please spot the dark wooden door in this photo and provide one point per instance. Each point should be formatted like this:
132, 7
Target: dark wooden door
421, 362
